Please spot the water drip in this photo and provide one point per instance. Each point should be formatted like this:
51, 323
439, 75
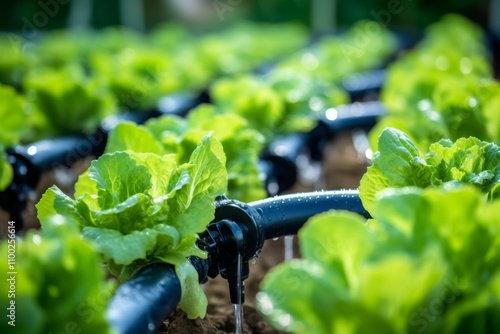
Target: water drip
288, 248
238, 308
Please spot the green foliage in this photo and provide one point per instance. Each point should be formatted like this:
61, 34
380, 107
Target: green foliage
6, 172
304, 97
66, 101
243, 47
138, 78
59, 283
290, 97
443, 88
398, 164
13, 114
112, 40
168, 36
60, 48
251, 99
13, 62
172, 134
427, 262
366, 45
140, 208
282, 103
14, 119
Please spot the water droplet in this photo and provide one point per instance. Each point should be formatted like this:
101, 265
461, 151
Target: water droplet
37, 239
266, 305
285, 320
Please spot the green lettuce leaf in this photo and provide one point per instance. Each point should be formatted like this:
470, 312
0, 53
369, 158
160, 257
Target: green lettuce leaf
140, 208
399, 163
59, 283
172, 134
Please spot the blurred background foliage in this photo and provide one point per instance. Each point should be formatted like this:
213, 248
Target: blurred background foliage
412, 13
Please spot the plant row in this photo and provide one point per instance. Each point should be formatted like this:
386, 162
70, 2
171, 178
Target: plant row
68, 93
428, 261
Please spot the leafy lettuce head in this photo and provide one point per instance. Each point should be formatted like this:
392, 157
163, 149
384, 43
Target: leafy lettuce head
140, 208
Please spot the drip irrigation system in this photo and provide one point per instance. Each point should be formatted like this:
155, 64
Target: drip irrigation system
239, 230
277, 165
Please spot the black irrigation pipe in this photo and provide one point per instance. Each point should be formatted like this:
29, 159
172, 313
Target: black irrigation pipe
142, 303
359, 85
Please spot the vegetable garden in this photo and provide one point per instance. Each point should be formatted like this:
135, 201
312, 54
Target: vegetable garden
145, 180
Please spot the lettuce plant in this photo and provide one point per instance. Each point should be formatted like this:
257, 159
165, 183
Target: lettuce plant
66, 101
443, 88
454, 107
13, 113
140, 208
281, 103
398, 164
13, 60
252, 99
60, 48
173, 134
304, 98
427, 263
138, 77
14, 119
58, 286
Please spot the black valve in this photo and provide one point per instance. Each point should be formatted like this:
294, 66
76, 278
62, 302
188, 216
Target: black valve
228, 240
235, 237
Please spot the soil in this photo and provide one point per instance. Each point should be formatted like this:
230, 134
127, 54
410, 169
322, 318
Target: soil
342, 169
